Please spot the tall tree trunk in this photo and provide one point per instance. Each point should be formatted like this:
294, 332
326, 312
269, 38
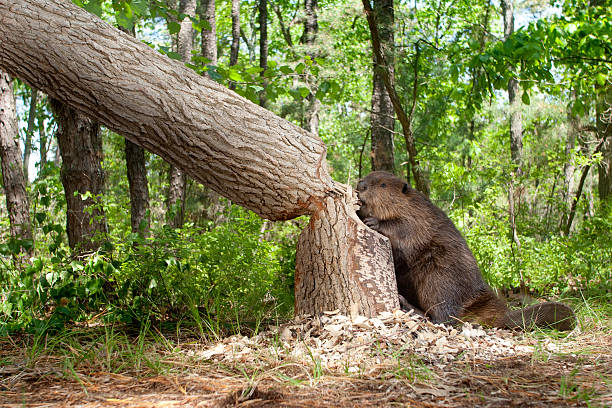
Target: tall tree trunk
382, 117
573, 122
27, 146
13, 179
138, 182
516, 132
43, 140
239, 149
311, 29
177, 183
263, 47
405, 120
604, 131
209, 36
80, 145
235, 37
139, 188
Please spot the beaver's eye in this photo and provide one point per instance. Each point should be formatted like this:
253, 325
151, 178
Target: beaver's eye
383, 185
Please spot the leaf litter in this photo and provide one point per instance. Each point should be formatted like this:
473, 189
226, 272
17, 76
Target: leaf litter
332, 360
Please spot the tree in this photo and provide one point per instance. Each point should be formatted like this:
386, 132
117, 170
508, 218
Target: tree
177, 189
263, 46
404, 119
80, 145
13, 179
137, 179
382, 118
235, 147
516, 129
27, 146
311, 29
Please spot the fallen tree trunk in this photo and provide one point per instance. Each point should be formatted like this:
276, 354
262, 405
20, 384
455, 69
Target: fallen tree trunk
238, 149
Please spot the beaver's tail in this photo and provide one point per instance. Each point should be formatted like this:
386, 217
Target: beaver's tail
552, 315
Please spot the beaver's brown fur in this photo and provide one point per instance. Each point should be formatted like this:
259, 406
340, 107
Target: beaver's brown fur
435, 270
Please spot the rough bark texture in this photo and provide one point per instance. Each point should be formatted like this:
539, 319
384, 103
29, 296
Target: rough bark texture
139, 188
209, 37
338, 251
382, 118
13, 179
235, 32
80, 145
237, 148
311, 29
263, 45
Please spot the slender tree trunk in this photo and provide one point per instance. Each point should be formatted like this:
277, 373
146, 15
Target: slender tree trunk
27, 146
604, 131
382, 117
263, 47
209, 37
573, 122
138, 182
311, 30
516, 134
80, 145
43, 143
235, 47
13, 179
139, 188
177, 183
404, 119
239, 149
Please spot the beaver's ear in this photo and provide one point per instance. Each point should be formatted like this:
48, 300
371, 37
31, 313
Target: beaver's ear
405, 188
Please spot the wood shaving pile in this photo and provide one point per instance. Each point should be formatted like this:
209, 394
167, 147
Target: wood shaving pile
356, 344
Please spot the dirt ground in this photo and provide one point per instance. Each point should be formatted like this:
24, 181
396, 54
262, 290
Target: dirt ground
405, 364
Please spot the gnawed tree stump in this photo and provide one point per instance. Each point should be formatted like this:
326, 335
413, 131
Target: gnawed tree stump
242, 151
342, 264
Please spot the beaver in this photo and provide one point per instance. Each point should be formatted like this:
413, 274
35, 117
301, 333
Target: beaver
436, 272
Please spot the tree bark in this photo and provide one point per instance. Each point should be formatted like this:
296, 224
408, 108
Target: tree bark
27, 146
139, 188
237, 148
336, 240
311, 29
13, 179
209, 37
263, 47
604, 131
235, 32
382, 118
80, 145
405, 120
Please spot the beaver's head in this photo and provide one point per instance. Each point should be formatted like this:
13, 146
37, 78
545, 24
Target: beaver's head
380, 193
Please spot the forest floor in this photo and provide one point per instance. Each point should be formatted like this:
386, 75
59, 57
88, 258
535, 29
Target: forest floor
332, 361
